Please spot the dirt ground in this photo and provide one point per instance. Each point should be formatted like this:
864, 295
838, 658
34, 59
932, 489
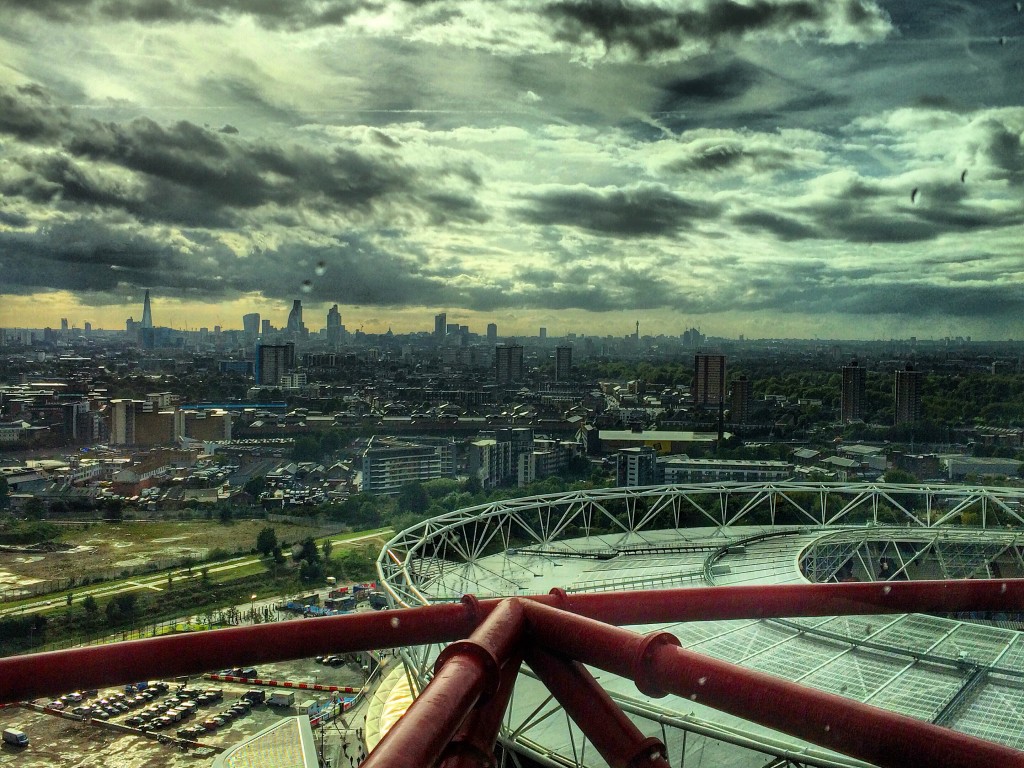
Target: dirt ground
104, 547
57, 741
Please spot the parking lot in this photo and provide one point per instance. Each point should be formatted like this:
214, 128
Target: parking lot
62, 738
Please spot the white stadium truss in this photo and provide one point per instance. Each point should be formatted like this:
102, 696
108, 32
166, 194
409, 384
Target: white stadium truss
964, 672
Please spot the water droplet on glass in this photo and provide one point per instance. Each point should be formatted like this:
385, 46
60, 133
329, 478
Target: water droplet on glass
702, 681
886, 589
828, 728
693, 697
307, 286
1002, 588
395, 622
321, 268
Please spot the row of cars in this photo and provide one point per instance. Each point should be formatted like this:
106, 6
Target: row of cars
78, 702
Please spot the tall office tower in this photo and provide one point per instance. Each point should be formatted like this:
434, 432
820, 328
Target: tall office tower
272, 362
563, 363
741, 400
333, 325
265, 328
508, 363
251, 325
440, 325
88, 327
854, 387
908, 395
63, 325
708, 379
295, 317
147, 312
492, 333
543, 332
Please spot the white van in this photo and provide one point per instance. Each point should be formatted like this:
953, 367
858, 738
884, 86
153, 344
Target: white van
17, 738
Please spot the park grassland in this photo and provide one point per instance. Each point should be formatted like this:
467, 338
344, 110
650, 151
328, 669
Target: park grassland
205, 591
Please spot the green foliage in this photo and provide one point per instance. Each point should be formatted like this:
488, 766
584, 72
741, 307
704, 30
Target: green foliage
34, 509
414, 499
5, 492
28, 532
895, 475
306, 448
254, 486
266, 541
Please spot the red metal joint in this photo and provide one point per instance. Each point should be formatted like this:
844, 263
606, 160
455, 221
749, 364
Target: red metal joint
492, 644
644, 671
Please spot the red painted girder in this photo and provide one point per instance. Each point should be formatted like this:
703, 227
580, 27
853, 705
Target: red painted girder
787, 600
615, 736
466, 673
40, 674
33, 675
658, 666
472, 746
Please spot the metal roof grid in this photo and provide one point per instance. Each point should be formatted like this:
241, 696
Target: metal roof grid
797, 657
996, 713
921, 691
857, 674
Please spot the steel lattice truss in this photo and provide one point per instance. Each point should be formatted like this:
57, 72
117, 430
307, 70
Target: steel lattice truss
419, 556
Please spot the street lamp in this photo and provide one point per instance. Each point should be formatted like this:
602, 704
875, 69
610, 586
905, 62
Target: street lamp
252, 608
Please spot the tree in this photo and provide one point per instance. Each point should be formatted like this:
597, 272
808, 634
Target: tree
5, 492
266, 541
895, 475
309, 551
254, 486
413, 498
326, 548
34, 509
306, 448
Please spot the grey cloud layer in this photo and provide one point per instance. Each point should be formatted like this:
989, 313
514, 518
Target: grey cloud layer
639, 29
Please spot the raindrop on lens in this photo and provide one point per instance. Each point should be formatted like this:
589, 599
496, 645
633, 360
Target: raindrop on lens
321, 268
394, 622
887, 589
307, 286
702, 681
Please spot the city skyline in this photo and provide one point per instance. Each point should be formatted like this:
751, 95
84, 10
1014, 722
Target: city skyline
845, 169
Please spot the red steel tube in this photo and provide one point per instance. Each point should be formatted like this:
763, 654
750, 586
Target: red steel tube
659, 666
29, 676
473, 744
615, 736
785, 600
39, 674
466, 673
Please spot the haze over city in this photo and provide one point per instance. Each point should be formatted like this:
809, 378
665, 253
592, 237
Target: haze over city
840, 169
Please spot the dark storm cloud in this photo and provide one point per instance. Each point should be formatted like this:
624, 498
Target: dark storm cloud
783, 227
194, 176
723, 82
817, 288
645, 30
85, 256
640, 211
28, 114
294, 14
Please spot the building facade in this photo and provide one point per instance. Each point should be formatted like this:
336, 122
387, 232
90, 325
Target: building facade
708, 379
908, 395
853, 392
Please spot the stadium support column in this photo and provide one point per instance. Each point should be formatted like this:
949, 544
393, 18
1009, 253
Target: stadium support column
467, 673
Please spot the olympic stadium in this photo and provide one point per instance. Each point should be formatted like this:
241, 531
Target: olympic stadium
962, 671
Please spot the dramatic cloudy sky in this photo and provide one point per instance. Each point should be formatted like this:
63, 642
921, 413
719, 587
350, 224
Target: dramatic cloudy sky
746, 166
